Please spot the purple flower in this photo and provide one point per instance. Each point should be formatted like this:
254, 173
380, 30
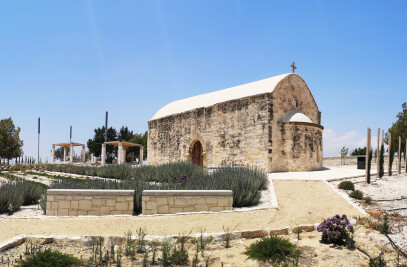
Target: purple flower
182, 179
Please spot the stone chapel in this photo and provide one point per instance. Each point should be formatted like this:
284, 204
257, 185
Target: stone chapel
273, 124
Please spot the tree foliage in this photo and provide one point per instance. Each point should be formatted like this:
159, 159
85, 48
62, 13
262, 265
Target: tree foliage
399, 128
59, 153
124, 134
381, 161
359, 151
10, 143
95, 144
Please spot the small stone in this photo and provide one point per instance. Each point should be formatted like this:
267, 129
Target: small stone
315, 255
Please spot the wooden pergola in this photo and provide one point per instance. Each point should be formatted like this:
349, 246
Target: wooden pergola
121, 157
65, 146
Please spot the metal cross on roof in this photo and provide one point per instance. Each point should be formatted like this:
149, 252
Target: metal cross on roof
293, 67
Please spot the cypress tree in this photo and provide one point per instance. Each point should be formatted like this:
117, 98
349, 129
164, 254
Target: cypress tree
381, 162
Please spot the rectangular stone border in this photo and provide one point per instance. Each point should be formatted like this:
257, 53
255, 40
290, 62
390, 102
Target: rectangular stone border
88, 240
187, 193
185, 201
85, 202
91, 192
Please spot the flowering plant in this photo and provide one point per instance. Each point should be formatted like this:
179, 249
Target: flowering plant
337, 230
182, 179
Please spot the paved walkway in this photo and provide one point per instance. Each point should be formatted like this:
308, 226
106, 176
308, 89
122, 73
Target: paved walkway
325, 174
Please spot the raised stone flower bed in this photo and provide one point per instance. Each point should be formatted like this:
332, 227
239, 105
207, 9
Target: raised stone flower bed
76, 202
179, 201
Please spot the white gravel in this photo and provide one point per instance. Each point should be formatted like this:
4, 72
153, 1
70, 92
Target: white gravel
392, 189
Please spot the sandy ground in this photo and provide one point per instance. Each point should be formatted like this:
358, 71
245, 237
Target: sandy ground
381, 191
326, 173
300, 202
313, 252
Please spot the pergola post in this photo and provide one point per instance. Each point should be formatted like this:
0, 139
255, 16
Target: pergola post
71, 151
141, 155
92, 158
124, 155
53, 154
103, 155
119, 153
83, 156
132, 157
65, 152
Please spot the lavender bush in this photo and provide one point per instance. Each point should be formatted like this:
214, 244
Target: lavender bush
337, 230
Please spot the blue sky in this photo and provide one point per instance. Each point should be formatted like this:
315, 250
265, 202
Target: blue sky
70, 61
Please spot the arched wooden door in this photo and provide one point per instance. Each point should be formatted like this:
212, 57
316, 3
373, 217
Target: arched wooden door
196, 153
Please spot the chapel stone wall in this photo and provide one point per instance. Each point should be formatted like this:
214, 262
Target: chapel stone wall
300, 147
231, 133
293, 93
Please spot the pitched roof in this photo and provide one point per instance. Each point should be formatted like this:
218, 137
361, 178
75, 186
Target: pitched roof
241, 91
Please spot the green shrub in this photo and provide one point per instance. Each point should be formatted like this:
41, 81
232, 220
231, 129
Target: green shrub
49, 258
357, 194
368, 200
245, 183
273, 249
11, 198
17, 193
346, 185
377, 262
179, 258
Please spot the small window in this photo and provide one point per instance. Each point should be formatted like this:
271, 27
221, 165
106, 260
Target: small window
296, 104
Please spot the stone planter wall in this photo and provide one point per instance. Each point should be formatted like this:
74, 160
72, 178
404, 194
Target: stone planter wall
177, 201
76, 202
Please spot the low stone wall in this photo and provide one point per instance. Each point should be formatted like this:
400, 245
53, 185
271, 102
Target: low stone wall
76, 202
176, 201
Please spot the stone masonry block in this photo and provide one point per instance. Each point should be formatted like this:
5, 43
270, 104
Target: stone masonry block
54, 205
202, 207
176, 210
122, 206
150, 205
222, 201
120, 199
161, 200
63, 212
191, 201
64, 204
85, 204
50, 213
254, 234
179, 202
163, 209
215, 209
73, 213
74, 204
211, 200
96, 202
111, 202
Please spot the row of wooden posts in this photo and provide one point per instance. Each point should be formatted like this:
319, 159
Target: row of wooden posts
368, 146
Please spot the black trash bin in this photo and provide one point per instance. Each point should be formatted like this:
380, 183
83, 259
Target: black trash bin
361, 162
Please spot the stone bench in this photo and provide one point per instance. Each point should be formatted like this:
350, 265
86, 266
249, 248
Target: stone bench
76, 202
176, 201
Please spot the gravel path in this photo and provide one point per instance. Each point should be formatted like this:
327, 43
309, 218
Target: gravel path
300, 202
327, 174
393, 188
